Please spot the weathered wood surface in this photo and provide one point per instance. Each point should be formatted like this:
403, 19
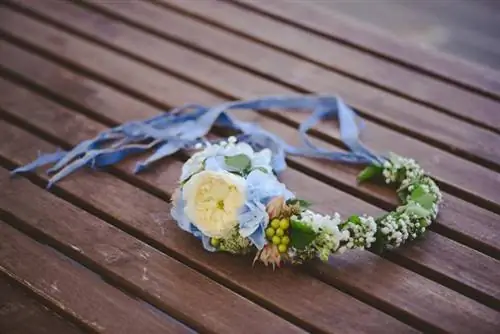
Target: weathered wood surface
69, 70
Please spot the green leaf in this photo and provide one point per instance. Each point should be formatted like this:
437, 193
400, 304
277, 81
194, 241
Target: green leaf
418, 211
417, 192
303, 203
239, 162
355, 219
301, 235
423, 198
370, 172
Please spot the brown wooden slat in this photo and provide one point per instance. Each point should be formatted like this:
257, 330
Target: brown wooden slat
317, 165
443, 256
362, 66
167, 177
452, 134
167, 283
162, 281
20, 313
351, 32
59, 84
281, 288
73, 290
155, 86
475, 277
141, 12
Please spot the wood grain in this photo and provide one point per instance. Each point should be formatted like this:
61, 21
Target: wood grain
444, 256
347, 60
281, 289
21, 313
169, 177
479, 186
356, 34
424, 123
158, 279
38, 116
74, 290
474, 222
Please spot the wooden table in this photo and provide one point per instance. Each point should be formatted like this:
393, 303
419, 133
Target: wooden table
99, 252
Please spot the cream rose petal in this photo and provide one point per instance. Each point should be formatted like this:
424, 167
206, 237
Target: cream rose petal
213, 200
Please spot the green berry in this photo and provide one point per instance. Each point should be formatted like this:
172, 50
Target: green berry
214, 242
275, 223
276, 240
285, 240
280, 232
270, 232
282, 248
284, 223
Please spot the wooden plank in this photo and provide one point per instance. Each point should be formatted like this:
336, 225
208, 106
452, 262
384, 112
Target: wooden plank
480, 186
160, 280
20, 313
480, 224
472, 227
73, 290
152, 219
445, 257
166, 177
345, 174
422, 122
338, 57
354, 33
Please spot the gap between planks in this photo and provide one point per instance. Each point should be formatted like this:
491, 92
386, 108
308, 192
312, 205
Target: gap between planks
20, 312
271, 279
273, 34
447, 141
68, 287
345, 30
150, 115
148, 98
404, 260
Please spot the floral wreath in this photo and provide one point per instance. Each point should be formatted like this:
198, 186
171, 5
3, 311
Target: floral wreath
229, 195
230, 199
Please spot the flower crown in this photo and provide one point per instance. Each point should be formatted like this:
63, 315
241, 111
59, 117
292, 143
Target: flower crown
230, 199
229, 196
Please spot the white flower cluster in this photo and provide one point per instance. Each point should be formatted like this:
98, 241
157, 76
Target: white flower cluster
393, 168
397, 229
193, 165
360, 234
328, 237
320, 222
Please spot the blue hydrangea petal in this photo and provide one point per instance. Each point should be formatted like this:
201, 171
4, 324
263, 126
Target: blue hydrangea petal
253, 220
252, 216
262, 185
258, 238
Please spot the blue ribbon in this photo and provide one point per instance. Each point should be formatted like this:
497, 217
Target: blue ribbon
182, 128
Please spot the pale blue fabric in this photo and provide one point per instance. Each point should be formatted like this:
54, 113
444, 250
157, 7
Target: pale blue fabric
183, 127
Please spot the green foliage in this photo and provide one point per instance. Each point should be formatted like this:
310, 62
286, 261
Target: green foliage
370, 172
416, 210
420, 196
301, 235
239, 162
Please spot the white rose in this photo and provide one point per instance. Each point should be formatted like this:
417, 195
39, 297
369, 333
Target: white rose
213, 201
